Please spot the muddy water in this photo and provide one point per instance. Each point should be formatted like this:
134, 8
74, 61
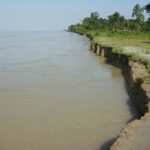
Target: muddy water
57, 95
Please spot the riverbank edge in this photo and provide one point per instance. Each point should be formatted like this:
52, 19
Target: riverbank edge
138, 81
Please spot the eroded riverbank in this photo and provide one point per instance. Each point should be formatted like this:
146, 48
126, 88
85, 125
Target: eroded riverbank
135, 136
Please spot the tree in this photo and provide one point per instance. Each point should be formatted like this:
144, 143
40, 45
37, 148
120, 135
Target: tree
139, 17
94, 21
103, 24
75, 28
147, 8
95, 15
130, 25
116, 22
86, 23
147, 25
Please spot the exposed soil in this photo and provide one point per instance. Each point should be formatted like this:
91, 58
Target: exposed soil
137, 134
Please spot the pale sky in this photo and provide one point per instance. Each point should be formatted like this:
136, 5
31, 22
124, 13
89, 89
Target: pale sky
57, 14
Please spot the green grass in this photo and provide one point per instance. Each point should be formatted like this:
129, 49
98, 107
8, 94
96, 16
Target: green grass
135, 57
117, 50
120, 40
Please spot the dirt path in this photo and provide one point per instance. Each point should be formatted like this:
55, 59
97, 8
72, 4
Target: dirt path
136, 50
135, 136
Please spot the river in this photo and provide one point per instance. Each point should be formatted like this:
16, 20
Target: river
55, 94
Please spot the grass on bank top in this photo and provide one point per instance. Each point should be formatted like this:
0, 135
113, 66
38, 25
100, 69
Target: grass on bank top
137, 45
123, 39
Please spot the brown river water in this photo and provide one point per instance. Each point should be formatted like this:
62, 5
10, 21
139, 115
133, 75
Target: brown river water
55, 94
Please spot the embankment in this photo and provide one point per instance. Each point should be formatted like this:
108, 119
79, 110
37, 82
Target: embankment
135, 74
138, 81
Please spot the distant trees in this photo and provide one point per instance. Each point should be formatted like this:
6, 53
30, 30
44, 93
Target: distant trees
88, 23
147, 23
147, 8
92, 22
139, 17
115, 22
104, 24
75, 28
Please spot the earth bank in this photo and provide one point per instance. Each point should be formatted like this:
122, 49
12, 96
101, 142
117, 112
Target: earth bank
135, 136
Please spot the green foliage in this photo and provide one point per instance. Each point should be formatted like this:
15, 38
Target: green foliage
147, 8
117, 50
139, 17
138, 12
103, 25
116, 22
147, 25
94, 21
75, 28
88, 24
135, 57
148, 66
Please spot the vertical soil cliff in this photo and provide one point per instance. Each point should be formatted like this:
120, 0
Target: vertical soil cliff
135, 136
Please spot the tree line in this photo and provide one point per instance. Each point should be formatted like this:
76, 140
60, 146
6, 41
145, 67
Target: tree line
115, 22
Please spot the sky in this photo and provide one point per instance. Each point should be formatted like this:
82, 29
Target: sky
43, 15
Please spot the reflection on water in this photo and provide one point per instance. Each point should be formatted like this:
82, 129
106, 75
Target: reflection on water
57, 95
